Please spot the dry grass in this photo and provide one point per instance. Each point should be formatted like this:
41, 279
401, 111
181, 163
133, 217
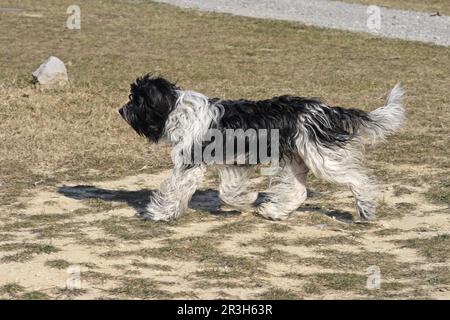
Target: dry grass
440, 193
81, 132
141, 288
441, 6
25, 251
278, 294
11, 289
51, 136
434, 249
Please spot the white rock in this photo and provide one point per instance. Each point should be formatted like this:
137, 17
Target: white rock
51, 71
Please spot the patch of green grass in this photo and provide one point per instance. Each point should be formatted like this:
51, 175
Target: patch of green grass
98, 205
126, 271
321, 214
405, 207
11, 289
278, 227
331, 240
231, 266
111, 254
57, 264
70, 293
7, 237
401, 190
439, 193
434, 249
438, 276
205, 284
395, 290
200, 249
189, 248
59, 230
268, 241
17, 225
316, 218
25, 251
425, 229
191, 216
278, 294
97, 277
388, 232
312, 288
387, 211
85, 239
276, 255
45, 225
317, 284
359, 262
241, 226
141, 288
152, 266
133, 229
339, 281
392, 286
273, 240
35, 295
47, 218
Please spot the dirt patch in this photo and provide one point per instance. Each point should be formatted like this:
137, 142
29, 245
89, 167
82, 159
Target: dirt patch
208, 254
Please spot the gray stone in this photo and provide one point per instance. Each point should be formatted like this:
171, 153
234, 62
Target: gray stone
51, 71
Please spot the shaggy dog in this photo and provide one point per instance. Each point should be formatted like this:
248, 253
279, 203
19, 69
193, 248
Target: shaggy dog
299, 135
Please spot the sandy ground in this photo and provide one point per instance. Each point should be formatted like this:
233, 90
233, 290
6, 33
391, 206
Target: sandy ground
87, 222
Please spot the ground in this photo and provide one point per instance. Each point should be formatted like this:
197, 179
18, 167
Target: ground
72, 173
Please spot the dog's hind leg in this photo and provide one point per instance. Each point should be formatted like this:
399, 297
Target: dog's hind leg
172, 199
234, 181
343, 166
287, 193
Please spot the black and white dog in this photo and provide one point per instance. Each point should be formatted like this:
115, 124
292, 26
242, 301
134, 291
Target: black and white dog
310, 135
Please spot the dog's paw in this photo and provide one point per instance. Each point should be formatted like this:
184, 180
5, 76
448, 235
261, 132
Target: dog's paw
154, 216
271, 212
366, 211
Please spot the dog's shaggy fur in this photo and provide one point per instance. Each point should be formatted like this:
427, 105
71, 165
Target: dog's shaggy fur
312, 136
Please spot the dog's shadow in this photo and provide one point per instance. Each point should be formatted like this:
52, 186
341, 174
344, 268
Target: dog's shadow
204, 200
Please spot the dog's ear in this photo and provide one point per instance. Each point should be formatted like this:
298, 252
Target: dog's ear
155, 92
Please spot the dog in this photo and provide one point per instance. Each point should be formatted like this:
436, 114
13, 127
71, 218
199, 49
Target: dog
312, 136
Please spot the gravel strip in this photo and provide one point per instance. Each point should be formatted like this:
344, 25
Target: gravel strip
407, 25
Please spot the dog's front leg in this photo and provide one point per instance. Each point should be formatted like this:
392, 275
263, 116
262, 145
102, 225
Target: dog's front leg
173, 197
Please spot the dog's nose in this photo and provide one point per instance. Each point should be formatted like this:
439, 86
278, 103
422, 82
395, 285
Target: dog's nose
121, 111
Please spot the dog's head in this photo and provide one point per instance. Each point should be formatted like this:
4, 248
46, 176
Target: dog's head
150, 102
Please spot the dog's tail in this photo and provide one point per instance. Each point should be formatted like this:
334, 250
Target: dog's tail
331, 126
385, 120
